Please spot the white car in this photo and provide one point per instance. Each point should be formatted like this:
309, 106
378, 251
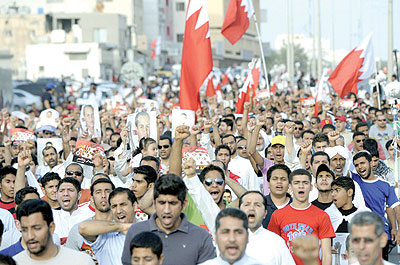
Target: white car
24, 99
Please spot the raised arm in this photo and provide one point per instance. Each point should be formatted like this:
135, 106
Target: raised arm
91, 229
175, 160
253, 142
24, 158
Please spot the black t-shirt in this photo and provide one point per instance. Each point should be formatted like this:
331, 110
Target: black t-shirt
343, 227
49, 97
322, 206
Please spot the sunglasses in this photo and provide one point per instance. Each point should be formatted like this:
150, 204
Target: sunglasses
359, 141
76, 173
381, 120
111, 158
242, 147
210, 181
166, 146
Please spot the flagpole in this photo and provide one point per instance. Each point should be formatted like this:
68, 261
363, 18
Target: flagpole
262, 53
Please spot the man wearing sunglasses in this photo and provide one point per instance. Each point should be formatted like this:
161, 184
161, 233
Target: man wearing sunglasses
368, 238
164, 151
74, 170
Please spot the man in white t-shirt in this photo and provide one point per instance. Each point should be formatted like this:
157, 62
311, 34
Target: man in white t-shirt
368, 238
37, 226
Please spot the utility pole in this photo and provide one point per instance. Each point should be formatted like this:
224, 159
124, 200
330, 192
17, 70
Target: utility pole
289, 45
319, 40
333, 64
390, 40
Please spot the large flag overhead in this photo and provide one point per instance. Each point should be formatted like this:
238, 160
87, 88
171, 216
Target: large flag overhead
237, 19
196, 54
358, 65
156, 47
250, 83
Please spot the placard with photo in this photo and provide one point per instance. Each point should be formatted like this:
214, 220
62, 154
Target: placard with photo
43, 142
182, 117
142, 124
48, 117
90, 120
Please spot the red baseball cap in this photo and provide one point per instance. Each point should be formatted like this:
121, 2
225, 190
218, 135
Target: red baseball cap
325, 121
341, 118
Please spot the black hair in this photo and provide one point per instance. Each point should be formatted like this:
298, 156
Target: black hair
228, 135
371, 145
299, 172
48, 148
110, 129
115, 133
20, 195
239, 138
266, 150
150, 175
170, 184
29, 207
7, 260
307, 131
253, 192
111, 149
74, 164
7, 170
222, 146
229, 115
319, 153
228, 191
49, 176
73, 139
345, 183
71, 180
355, 134
365, 154
223, 164
151, 158
275, 167
165, 137
232, 212
317, 118
271, 118
361, 124
299, 123
147, 240
328, 126
388, 144
319, 138
143, 144
101, 180
131, 195
209, 168
228, 122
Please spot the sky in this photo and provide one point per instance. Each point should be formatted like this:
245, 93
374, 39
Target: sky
353, 20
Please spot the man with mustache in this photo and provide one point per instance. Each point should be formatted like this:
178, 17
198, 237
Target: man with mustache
263, 245
50, 158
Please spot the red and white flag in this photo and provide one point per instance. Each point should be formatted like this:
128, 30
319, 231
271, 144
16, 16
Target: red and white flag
225, 79
237, 19
156, 47
250, 83
358, 65
196, 54
210, 92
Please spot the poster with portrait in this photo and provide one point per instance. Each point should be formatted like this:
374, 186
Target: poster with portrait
90, 119
85, 151
182, 117
339, 256
48, 117
43, 142
142, 124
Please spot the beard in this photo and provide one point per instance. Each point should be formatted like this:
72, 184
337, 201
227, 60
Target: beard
102, 209
42, 247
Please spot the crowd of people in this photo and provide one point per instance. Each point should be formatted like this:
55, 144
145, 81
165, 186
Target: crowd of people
282, 183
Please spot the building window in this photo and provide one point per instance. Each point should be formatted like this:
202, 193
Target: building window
100, 35
179, 37
168, 31
166, 2
32, 33
180, 6
77, 56
8, 33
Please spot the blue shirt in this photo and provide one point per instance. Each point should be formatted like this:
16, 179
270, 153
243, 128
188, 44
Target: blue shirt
377, 194
13, 249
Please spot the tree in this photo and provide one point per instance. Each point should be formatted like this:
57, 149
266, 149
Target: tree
279, 57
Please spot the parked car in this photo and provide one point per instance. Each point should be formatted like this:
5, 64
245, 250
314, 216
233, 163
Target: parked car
24, 99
